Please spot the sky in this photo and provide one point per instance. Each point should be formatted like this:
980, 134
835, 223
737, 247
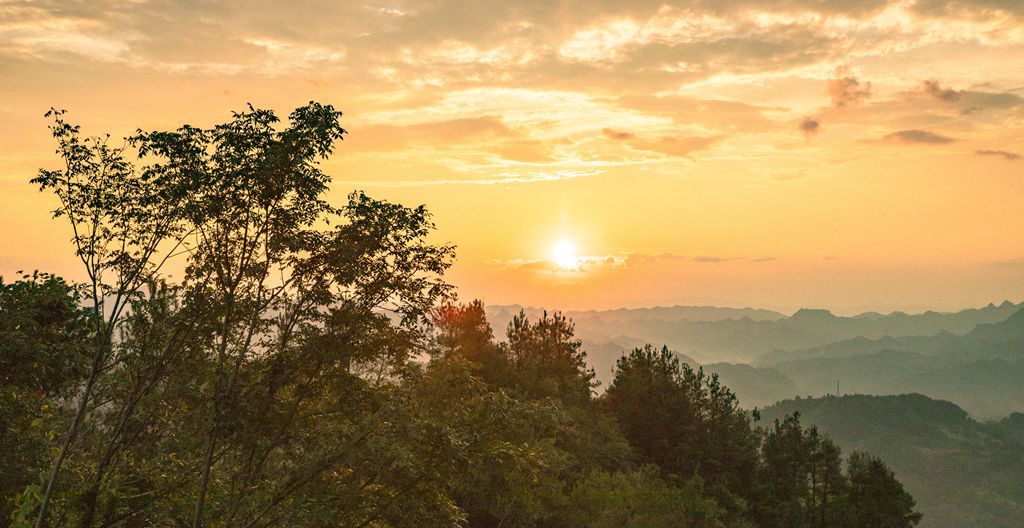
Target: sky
846, 154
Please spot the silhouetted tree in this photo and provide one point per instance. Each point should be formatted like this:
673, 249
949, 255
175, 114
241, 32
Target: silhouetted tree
684, 422
877, 499
125, 226
548, 359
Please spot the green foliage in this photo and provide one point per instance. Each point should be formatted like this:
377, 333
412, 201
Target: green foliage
43, 333
44, 338
638, 499
801, 479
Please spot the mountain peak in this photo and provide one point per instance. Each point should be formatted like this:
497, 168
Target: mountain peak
812, 314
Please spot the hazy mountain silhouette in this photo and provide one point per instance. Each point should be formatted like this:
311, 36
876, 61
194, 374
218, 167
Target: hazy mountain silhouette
755, 387
710, 334
984, 338
980, 371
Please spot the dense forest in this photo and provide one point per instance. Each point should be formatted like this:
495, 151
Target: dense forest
310, 366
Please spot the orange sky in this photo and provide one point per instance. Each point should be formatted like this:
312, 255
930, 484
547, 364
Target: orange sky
848, 154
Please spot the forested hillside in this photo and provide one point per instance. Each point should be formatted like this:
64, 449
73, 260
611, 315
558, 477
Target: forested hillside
980, 371
963, 473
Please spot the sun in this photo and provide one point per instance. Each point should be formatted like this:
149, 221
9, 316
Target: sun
564, 254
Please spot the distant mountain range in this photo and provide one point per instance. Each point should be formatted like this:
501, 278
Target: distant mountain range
963, 474
712, 334
982, 371
973, 357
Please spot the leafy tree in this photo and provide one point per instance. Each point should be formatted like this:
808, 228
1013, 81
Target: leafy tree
275, 363
301, 349
578, 438
44, 354
462, 331
124, 226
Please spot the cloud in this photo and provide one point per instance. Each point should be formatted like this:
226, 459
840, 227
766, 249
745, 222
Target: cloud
617, 134
992, 100
636, 259
461, 130
506, 178
676, 145
621, 261
846, 90
961, 8
1007, 155
583, 264
475, 86
917, 136
934, 89
970, 102
735, 116
809, 126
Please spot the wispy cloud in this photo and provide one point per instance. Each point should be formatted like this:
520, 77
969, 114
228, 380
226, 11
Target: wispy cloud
640, 259
501, 179
1005, 154
599, 263
675, 145
917, 136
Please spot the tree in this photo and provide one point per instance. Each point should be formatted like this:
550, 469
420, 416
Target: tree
124, 228
462, 331
684, 422
801, 475
877, 499
302, 348
548, 359
44, 352
524, 482
276, 363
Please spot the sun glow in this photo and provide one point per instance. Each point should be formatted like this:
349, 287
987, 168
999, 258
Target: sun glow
564, 254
